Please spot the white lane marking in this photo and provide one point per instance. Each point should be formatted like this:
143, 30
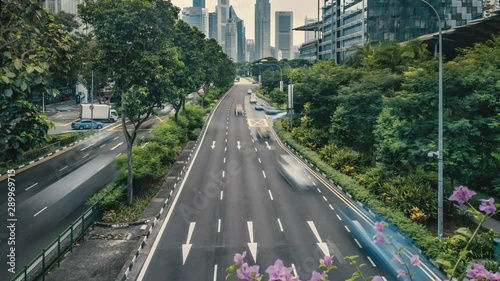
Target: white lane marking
322, 245
259, 160
325, 198
252, 139
142, 137
318, 190
270, 194
256, 149
215, 272
86, 147
114, 147
144, 145
150, 131
118, 155
371, 261
238, 144
347, 228
221, 194
224, 159
225, 148
281, 226
226, 133
264, 173
314, 183
86, 155
357, 242
223, 173
213, 145
117, 138
309, 177
227, 128
218, 227
31, 186
294, 270
39, 212
63, 168
102, 146
226, 140
252, 246
331, 207
187, 247
339, 217
101, 168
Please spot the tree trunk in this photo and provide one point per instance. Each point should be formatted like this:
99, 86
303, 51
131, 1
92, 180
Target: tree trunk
183, 101
130, 187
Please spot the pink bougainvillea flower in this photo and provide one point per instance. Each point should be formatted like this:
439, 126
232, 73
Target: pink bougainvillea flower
239, 258
401, 273
415, 260
316, 276
462, 194
327, 260
396, 259
488, 206
378, 239
379, 226
245, 272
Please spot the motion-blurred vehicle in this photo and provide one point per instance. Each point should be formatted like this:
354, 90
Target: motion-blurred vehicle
272, 110
259, 107
253, 99
249, 92
238, 111
263, 134
86, 124
293, 172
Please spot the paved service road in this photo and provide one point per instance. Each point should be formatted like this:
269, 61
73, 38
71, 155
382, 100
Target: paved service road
233, 199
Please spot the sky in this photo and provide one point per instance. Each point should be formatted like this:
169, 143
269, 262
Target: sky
245, 10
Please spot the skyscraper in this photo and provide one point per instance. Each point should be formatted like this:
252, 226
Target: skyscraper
196, 17
231, 40
199, 3
250, 50
262, 29
222, 10
309, 35
283, 34
212, 25
54, 6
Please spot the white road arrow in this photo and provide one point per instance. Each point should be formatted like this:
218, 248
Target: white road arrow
252, 246
239, 146
213, 144
268, 146
322, 245
187, 247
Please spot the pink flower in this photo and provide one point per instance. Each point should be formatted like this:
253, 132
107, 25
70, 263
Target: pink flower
316, 276
377, 278
401, 273
396, 259
379, 226
245, 272
278, 272
415, 260
462, 194
378, 239
328, 260
239, 258
488, 206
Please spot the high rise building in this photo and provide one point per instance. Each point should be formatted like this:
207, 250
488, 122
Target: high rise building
309, 35
283, 34
240, 27
222, 10
199, 3
262, 29
250, 50
196, 17
231, 40
54, 6
212, 25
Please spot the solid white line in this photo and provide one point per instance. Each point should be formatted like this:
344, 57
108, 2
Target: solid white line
101, 168
339, 217
31, 186
170, 211
359, 245
40, 212
294, 270
102, 146
223, 173
371, 261
281, 227
118, 155
221, 194
318, 190
86, 155
331, 207
264, 173
215, 272
270, 194
347, 228
325, 198
117, 138
218, 227
63, 168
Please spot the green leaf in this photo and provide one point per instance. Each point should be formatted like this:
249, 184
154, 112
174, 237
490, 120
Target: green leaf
8, 92
24, 85
30, 68
18, 63
463, 254
5, 79
444, 263
229, 275
38, 69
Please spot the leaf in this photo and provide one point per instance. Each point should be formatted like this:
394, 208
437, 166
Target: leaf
5, 79
464, 231
24, 85
38, 69
229, 275
444, 263
8, 92
18, 63
463, 254
30, 68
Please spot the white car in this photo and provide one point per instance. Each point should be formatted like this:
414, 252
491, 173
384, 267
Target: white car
249, 91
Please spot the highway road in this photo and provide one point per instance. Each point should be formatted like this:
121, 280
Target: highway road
233, 199
51, 193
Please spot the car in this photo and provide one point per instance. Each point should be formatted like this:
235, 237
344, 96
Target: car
263, 133
249, 92
253, 99
272, 110
259, 107
238, 111
86, 124
293, 172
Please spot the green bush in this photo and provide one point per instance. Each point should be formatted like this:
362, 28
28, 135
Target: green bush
109, 197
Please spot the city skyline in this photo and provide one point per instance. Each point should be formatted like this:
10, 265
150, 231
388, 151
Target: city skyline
245, 10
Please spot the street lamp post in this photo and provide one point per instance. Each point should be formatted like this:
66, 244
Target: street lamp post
440, 127
92, 102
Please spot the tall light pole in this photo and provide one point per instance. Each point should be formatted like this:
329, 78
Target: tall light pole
440, 128
92, 102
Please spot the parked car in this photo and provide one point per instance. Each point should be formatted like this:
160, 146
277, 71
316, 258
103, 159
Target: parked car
86, 124
293, 172
239, 110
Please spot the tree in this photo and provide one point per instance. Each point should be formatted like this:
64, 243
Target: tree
32, 46
134, 45
213, 56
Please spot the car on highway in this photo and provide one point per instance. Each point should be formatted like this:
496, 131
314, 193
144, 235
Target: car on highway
249, 92
259, 107
263, 134
272, 110
238, 111
253, 99
293, 172
86, 124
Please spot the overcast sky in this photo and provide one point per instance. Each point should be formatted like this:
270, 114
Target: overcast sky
245, 10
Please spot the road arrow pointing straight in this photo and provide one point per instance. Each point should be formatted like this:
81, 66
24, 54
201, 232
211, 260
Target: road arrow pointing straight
239, 146
187, 247
322, 245
213, 145
252, 246
268, 146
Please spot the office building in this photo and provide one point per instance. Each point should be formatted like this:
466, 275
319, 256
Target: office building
309, 35
250, 50
231, 40
196, 17
262, 29
283, 34
212, 25
199, 3
54, 6
222, 10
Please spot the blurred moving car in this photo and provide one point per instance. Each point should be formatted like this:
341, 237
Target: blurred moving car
249, 91
238, 111
86, 124
272, 110
263, 134
259, 107
293, 172
253, 99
